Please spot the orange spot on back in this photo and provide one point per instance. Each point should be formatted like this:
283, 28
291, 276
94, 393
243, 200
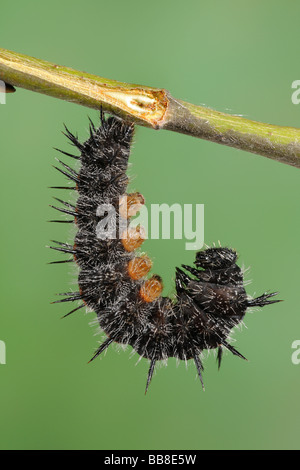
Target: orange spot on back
133, 237
130, 204
151, 289
138, 267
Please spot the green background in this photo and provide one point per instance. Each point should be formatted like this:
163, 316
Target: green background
237, 57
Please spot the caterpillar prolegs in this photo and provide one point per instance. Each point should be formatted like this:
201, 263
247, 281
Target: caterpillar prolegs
114, 281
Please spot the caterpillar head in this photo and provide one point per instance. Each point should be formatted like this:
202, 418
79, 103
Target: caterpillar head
216, 258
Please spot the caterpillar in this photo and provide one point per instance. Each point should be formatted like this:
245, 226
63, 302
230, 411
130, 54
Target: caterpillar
114, 279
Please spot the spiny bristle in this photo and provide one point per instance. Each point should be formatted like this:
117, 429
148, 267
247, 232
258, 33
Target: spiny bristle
233, 350
103, 346
199, 368
72, 188
62, 221
69, 168
150, 374
67, 204
263, 300
219, 356
62, 244
73, 178
102, 118
67, 154
74, 310
71, 297
73, 139
190, 269
66, 249
71, 260
92, 126
64, 211
70, 293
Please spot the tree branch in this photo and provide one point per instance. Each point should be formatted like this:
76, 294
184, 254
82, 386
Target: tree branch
150, 107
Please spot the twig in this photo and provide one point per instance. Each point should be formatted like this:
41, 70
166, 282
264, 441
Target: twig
150, 107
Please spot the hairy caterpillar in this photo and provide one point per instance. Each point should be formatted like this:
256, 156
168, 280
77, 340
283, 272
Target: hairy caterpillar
210, 297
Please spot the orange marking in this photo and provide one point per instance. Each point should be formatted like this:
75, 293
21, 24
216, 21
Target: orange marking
80, 291
139, 267
130, 204
74, 255
151, 289
133, 238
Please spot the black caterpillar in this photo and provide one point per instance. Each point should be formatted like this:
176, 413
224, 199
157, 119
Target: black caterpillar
210, 297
